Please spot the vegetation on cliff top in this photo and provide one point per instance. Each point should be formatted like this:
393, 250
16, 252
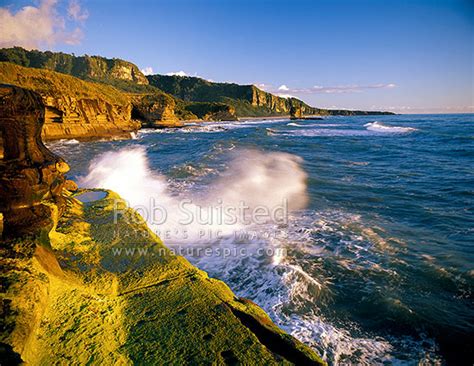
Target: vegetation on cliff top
197, 89
246, 100
83, 67
241, 97
50, 83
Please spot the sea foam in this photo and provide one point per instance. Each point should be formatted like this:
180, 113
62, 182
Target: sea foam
253, 178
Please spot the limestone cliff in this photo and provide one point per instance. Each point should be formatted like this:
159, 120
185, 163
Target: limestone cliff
83, 67
248, 100
296, 112
278, 104
212, 111
154, 110
74, 108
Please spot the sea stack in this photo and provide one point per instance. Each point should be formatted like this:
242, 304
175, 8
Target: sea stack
31, 176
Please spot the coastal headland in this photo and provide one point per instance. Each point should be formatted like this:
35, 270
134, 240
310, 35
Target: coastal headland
92, 97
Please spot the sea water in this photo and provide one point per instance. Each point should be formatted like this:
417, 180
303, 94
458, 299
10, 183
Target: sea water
375, 262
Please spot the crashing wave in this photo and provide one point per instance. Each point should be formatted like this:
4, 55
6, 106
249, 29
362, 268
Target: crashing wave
380, 127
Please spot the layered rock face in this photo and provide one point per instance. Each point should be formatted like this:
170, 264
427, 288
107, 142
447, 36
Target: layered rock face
224, 113
31, 177
212, 111
74, 108
154, 110
85, 118
264, 99
278, 104
193, 89
296, 112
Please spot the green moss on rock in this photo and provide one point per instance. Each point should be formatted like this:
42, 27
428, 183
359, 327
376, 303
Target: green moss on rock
88, 298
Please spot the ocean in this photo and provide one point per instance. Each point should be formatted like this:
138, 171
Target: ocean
374, 261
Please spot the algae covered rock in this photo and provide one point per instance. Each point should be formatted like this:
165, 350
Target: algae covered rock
113, 293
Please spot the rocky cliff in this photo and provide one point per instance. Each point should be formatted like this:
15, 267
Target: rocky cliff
155, 110
212, 111
84, 67
170, 92
247, 100
89, 283
74, 108
278, 104
152, 107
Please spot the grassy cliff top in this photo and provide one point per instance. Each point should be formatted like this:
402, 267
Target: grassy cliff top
190, 88
84, 67
51, 83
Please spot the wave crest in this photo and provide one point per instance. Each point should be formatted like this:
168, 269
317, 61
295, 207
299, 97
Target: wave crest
380, 127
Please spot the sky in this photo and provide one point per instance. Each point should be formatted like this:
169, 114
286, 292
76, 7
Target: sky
403, 56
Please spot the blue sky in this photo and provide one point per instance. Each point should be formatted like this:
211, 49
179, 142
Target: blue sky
406, 56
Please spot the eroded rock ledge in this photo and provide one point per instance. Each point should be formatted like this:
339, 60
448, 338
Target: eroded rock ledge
105, 292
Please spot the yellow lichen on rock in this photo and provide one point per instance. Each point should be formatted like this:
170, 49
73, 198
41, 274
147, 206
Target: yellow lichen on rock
105, 290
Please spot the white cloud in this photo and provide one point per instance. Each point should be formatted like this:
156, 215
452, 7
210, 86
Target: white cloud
76, 12
340, 89
262, 86
177, 73
285, 95
147, 70
195, 75
40, 26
